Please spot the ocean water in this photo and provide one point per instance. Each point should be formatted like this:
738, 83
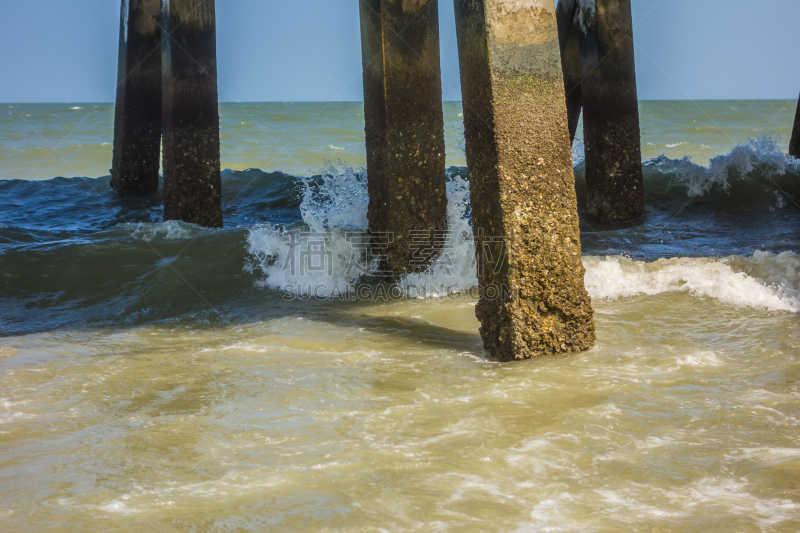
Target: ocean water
160, 376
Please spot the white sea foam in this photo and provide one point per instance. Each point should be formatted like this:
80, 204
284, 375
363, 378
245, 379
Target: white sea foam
722, 279
587, 12
762, 153
737, 499
763, 281
7, 418
326, 257
551, 515
117, 506
703, 358
169, 230
455, 269
766, 456
334, 210
8, 351
9, 414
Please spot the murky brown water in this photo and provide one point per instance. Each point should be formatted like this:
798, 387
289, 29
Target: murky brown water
384, 417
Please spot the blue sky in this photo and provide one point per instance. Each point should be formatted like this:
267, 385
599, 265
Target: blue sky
308, 50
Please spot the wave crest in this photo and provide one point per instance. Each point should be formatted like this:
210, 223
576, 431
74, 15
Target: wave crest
758, 161
763, 281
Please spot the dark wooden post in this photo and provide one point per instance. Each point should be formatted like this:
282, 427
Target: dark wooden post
192, 182
404, 129
794, 143
611, 136
525, 216
137, 118
570, 41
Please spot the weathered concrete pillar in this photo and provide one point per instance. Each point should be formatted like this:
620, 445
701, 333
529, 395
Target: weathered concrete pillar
794, 143
525, 214
404, 129
611, 136
137, 118
570, 41
192, 182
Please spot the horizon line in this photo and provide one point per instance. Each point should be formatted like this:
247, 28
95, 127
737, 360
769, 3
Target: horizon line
54, 102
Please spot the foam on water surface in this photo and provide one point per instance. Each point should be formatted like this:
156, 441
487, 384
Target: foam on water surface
335, 206
618, 277
166, 378
8, 351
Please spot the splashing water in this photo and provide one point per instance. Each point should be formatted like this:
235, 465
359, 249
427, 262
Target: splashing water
759, 157
763, 281
334, 207
454, 270
334, 223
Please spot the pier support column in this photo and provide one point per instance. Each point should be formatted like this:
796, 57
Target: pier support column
522, 187
404, 129
137, 118
570, 41
611, 136
192, 182
794, 143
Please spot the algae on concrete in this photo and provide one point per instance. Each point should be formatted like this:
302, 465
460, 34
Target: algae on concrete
404, 131
522, 187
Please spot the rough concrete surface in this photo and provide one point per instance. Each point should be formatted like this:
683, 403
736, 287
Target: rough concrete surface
192, 180
137, 118
522, 186
404, 127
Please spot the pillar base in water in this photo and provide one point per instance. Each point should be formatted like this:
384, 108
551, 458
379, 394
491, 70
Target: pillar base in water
404, 131
522, 187
137, 117
192, 181
611, 135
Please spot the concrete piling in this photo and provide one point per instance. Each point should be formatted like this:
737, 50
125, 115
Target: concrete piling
525, 216
404, 129
570, 41
192, 181
137, 118
794, 143
612, 143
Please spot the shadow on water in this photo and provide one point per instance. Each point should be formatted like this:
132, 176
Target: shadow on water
408, 330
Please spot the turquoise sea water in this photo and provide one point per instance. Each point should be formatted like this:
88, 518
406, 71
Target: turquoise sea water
43, 141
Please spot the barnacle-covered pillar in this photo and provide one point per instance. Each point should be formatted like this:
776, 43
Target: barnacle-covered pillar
192, 182
570, 41
137, 118
404, 130
611, 136
522, 187
794, 143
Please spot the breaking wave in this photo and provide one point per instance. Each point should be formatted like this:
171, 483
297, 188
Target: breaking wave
763, 280
757, 162
71, 251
